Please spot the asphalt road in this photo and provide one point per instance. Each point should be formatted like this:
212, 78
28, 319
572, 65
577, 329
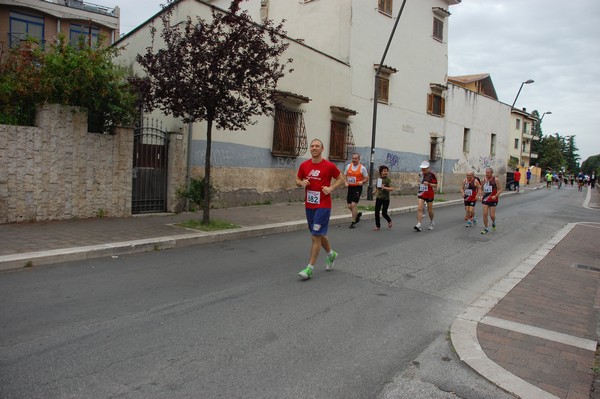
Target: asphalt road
233, 320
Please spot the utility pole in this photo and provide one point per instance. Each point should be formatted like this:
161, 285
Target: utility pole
375, 97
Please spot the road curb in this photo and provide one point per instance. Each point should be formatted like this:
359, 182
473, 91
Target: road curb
39, 258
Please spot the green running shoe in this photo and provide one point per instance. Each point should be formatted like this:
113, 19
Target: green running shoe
306, 273
485, 231
330, 260
494, 226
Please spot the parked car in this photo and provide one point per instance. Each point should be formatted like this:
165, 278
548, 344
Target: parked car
510, 181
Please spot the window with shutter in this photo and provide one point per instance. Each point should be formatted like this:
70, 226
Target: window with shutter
436, 104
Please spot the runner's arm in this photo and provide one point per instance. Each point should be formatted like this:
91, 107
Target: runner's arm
365, 175
301, 182
337, 183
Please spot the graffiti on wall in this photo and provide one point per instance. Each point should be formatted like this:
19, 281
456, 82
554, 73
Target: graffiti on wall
392, 160
486, 162
475, 164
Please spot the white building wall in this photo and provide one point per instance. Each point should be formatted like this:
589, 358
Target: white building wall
322, 79
483, 116
335, 67
403, 125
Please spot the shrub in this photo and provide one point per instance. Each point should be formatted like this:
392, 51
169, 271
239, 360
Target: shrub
194, 192
77, 75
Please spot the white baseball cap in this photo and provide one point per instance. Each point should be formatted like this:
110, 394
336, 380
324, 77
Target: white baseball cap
424, 165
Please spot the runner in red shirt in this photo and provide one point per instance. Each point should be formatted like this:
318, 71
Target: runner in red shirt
427, 185
315, 176
517, 177
490, 192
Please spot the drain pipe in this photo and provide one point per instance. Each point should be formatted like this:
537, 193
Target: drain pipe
441, 187
188, 176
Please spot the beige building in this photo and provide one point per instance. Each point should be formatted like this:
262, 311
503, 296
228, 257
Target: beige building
479, 83
521, 137
43, 20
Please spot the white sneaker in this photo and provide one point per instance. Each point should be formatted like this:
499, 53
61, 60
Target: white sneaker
430, 226
417, 227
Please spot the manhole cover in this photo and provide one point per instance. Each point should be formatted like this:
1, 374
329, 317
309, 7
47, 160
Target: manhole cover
585, 267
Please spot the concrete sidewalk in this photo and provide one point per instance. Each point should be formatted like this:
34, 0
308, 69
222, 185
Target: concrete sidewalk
34, 244
533, 334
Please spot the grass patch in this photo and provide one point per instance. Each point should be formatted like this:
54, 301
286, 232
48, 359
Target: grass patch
439, 200
366, 207
213, 225
265, 202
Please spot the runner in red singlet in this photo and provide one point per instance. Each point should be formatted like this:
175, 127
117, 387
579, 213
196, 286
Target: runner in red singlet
427, 185
471, 190
490, 192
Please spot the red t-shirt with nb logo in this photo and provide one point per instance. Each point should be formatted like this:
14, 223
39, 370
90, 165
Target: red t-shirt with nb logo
319, 175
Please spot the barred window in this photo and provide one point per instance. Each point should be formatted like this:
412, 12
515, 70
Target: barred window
289, 135
341, 141
435, 153
383, 89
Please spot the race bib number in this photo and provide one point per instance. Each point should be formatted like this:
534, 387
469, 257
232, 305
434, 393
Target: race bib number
352, 179
487, 188
468, 192
313, 197
423, 188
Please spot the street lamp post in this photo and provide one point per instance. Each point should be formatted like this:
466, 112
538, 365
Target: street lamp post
528, 81
542, 118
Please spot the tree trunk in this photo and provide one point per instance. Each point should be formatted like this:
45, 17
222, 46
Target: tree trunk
206, 194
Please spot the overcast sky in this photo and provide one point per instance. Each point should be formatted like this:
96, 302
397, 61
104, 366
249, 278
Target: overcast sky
556, 43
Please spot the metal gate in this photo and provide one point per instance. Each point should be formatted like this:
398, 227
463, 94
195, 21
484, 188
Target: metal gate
150, 149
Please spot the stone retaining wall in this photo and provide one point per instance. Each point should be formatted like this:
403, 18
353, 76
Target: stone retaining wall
57, 170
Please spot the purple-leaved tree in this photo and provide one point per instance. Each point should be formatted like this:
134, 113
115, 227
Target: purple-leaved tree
223, 71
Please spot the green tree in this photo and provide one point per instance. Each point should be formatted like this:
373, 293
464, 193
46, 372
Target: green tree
224, 71
551, 155
536, 131
592, 164
570, 153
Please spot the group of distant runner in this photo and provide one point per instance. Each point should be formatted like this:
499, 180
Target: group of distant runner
472, 189
558, 178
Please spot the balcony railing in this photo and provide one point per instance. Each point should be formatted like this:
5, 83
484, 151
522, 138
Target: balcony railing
83, 5
527, 136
